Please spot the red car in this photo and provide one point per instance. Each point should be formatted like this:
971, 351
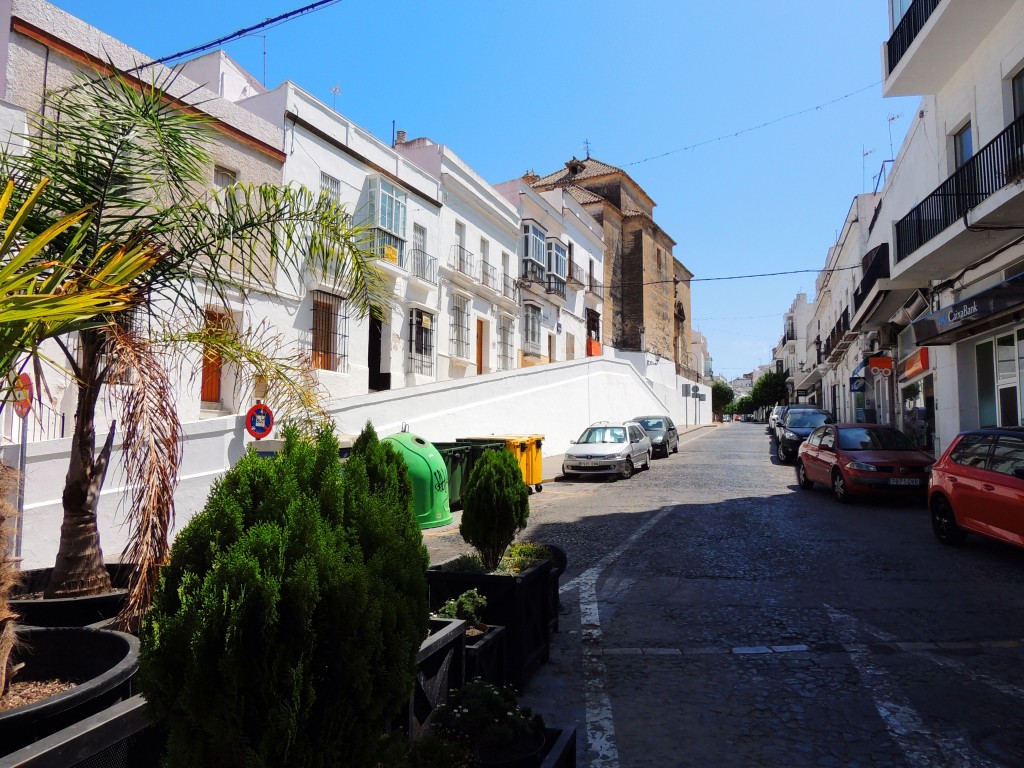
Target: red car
862, 459
978, 487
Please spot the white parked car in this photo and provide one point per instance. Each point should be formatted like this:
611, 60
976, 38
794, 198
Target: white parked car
609, 448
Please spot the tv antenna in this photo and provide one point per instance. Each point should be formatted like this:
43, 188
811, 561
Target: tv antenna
335, 89
892, 119
586, 147
863, 166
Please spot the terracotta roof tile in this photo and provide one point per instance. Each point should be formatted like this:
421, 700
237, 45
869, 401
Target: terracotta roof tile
589, 168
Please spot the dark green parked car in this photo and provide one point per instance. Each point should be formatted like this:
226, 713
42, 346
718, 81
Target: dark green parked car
662, 431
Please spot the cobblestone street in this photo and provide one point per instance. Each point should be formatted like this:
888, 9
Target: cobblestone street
716, 615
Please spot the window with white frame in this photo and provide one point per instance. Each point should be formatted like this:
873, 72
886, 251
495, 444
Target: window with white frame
963, 145
531, 329
329, 346
330, 186
459, 337
534, 255
557, 258
421, 342
387, 210
505, 343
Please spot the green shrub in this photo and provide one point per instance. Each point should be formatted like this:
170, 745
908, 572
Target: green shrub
465, 607
285, 628
495, 505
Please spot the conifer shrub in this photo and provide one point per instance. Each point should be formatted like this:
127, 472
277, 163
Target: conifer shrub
285, 628
495, 505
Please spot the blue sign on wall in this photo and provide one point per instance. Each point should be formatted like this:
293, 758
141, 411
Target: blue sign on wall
858, 384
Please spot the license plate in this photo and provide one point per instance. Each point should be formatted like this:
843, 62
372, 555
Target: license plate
588, 463
904, 481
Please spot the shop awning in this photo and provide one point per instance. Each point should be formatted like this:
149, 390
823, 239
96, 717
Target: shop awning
973, 315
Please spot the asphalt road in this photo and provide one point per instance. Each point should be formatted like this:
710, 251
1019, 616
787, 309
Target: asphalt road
716, 615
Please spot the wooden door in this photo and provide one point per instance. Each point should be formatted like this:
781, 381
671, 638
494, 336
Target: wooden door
479, 346
212, 361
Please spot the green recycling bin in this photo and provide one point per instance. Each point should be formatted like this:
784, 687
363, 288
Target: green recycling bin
429, 479
456, 460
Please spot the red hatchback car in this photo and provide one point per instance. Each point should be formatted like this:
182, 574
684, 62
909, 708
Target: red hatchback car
978, 487
856, 459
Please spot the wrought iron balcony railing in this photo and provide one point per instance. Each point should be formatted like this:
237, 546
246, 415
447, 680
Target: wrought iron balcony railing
489, 276
595, 287
533, 270
576, 275
877, 268
462, 261
907, 30
508, 286
423, 265
998, 163
555, 285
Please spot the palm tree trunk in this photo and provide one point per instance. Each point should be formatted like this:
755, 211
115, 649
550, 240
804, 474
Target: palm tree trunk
79, 569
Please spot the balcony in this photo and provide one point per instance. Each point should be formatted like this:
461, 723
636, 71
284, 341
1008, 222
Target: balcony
576, 276
906, 31
997, 164
423, 266
489, 277
534, 271
555, 285
508, 287
389, 248
531, 347
840, 338
876, 267
595, 288
877, 297
462, 261
932, 41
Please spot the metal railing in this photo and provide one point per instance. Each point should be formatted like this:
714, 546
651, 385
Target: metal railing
508, 286
907, 30
423, 265
555, 285
876, 269
595, 287
998, 163
489, 276
462, 261
389, 247
533, 270
576, 274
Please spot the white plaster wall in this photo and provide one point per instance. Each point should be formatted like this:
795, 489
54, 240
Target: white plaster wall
556, 401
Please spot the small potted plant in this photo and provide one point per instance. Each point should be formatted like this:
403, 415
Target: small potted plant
488, 720
485, 643
513, 579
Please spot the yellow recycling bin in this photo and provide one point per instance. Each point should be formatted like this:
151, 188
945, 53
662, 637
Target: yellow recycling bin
526, 449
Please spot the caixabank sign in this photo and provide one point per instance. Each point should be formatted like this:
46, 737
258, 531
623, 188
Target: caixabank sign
971, 315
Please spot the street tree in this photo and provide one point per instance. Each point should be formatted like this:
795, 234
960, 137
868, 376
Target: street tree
769, 390
138, 158
721, 396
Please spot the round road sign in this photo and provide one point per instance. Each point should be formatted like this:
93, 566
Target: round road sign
259, 421
23, 395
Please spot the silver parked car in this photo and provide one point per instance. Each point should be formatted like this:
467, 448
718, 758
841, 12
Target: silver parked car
609, 448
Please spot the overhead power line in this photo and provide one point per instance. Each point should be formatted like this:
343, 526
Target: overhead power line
736, 134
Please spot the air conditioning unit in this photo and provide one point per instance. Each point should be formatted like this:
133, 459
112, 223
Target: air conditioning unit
867, 341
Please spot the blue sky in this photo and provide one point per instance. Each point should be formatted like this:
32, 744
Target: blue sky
513, 87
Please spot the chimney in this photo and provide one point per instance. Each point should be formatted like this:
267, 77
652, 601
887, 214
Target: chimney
530, 177
400, 138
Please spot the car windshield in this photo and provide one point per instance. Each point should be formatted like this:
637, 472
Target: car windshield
649, 424
603, 435
806, 419
862, 439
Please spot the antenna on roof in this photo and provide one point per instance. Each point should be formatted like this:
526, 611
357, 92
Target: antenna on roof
336, 89
586, 147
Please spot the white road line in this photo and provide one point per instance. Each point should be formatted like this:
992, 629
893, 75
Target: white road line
922, 746
600, 723
945, 662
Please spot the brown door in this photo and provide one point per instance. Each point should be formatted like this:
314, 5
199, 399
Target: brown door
212, 361
479, 346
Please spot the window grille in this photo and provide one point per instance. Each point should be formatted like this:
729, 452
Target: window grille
330, 186
531, 330
421, 342
505, 344
460, 327
330, 332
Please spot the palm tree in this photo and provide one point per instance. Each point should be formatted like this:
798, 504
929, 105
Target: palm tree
139, 159
44, 292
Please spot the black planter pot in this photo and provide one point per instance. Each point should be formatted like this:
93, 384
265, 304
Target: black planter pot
560, 748
520, 603
440, 666
69, 611
485, 656
559, 562
101, 661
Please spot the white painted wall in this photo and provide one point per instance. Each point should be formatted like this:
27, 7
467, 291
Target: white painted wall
556, 401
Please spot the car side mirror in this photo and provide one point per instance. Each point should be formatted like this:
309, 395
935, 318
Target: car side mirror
572, 442
1018, 472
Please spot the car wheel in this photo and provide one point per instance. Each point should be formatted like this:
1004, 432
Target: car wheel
648, 464
944, 523
781, 454
675, 448
801, 476
839, 488
627, 470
